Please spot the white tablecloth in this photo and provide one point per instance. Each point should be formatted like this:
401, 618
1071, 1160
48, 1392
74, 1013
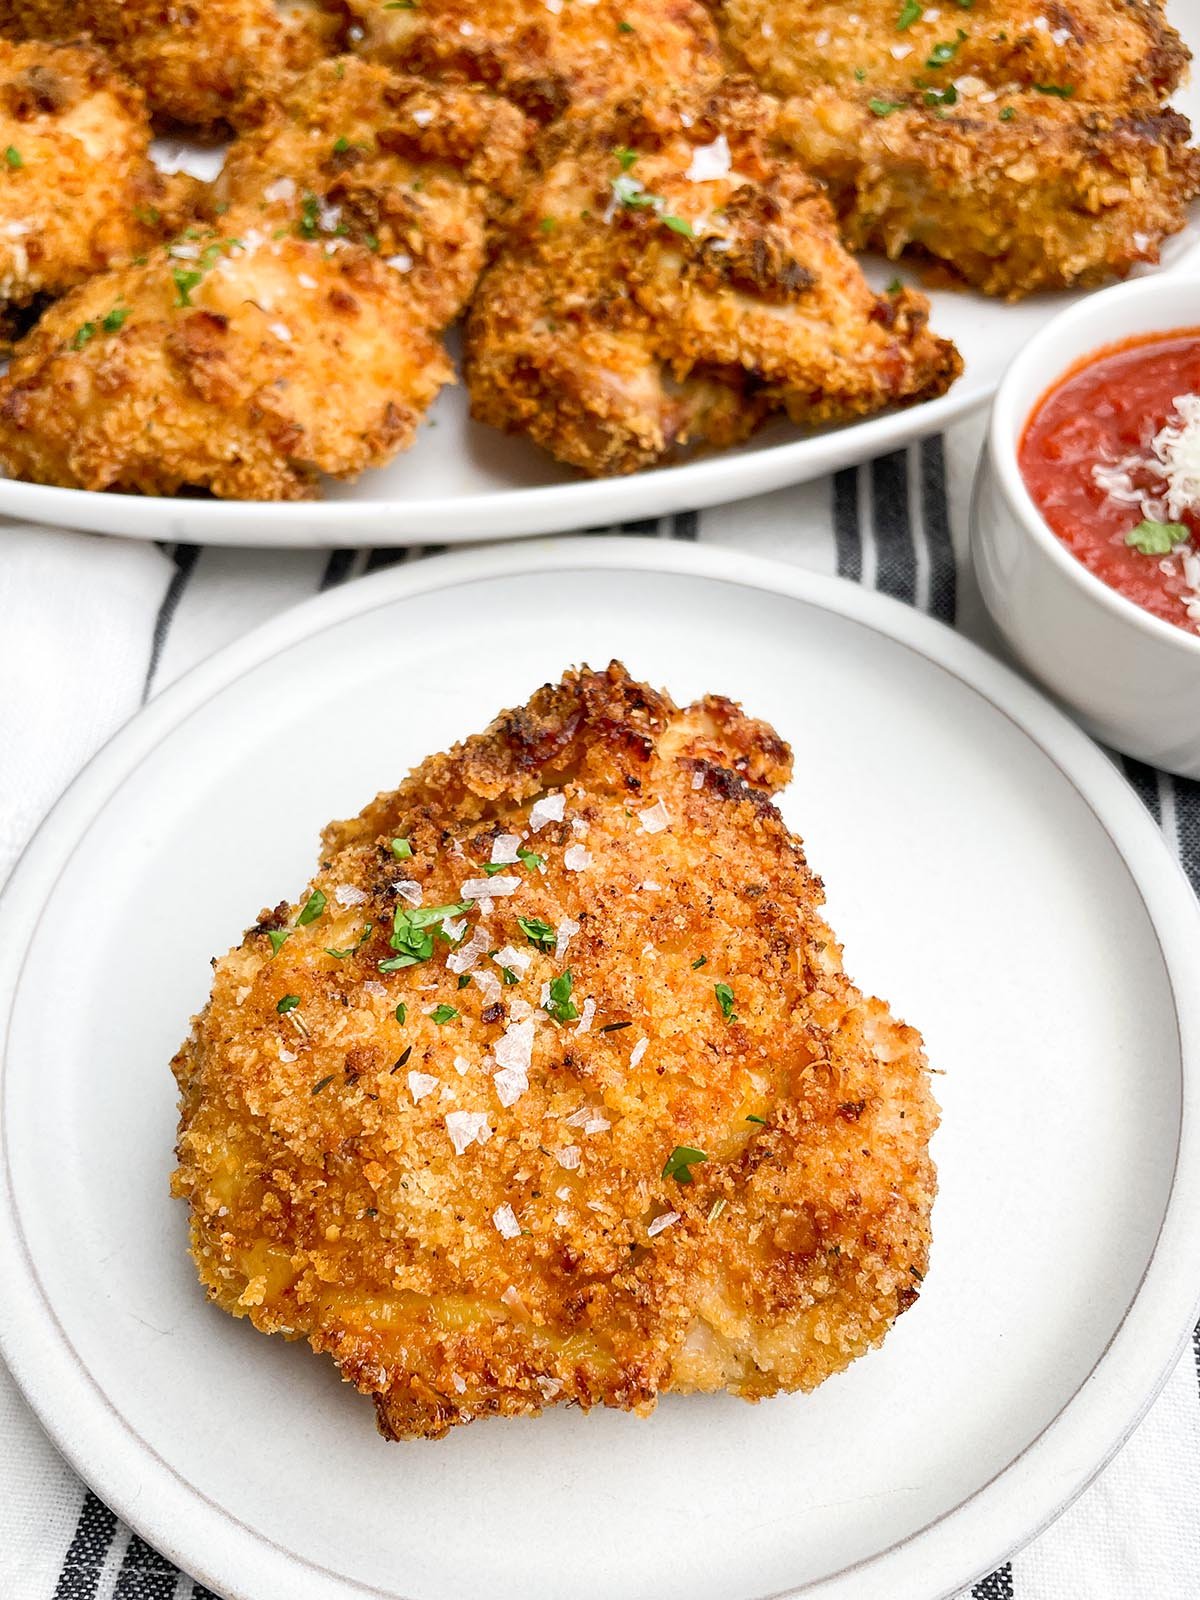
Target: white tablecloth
92, 627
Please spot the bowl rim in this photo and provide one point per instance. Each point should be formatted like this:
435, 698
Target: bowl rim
1008, 420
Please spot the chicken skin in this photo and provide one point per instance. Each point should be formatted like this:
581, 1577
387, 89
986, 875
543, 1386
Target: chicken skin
545, 58
668, 280
1023, 193
78, 191
551, 1088
1107, 52
420, 171
203, 62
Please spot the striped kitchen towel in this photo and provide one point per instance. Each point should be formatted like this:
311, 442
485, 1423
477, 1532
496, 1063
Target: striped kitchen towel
94, 627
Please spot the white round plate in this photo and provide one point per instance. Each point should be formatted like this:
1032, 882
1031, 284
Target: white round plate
990, 874
463, 482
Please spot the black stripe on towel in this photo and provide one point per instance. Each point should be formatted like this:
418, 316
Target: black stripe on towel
144, 1574
85, 1557
935, 514
186, 556
846, 532
685, 525
997, 1585
1144, 781
896, 573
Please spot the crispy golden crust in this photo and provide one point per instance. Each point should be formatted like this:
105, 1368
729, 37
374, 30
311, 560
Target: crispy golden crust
1111, 52
1029, 192
417, 170
243, 362
546, 59
205, 62
551, 1260
633, 310
78, 192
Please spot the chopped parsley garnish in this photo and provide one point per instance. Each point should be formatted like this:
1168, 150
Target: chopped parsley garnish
341, 145
725, 1000
402, 1061
400, 5
409, 936
560, 1005
910, 12
401, 849
762, 1121
355, 947
530, 858
322, 1083
1064, 91
945, 51
13, 157
1157, 538
308, 225
625, 27
942, 97
288, 1003
884, 108
185, 280
491, 868
402, 1014
681, 1161
443, 1013
278, 938
538, 933
509, 976
895, 286
615, 1027
679, 225
700, 961
625, 158
313, 908
84, 334
1007, 114
115, 319
464, 980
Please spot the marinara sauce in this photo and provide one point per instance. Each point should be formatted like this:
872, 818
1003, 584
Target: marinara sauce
1106, 478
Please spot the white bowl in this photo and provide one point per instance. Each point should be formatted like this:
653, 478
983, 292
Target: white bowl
1129, 678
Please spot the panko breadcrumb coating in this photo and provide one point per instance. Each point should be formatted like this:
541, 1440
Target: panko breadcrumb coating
1111, 52
1023, 193
546, 58
668, 280
203, 62
240, 361
78, 191
418, 171
550, 1088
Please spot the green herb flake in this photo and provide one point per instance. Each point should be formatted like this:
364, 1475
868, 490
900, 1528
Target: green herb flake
491, 868
402, 1013
530, 858
402, 1061
946, 51
288, 1003
942, 97
725, 1000
185, 280
560, 1005
1157, 538
1063, 91
548, 224
680, 1162
13, 157
464, 980
442, 1013
313, 908
401, 849
115, 319
83, 335
884, 108
322, 1083
509, 976
762, 1121
278, 938
700, 961
679, 225
625, 27
895, 286
1007, 114
625, 158
539, 933
910, 12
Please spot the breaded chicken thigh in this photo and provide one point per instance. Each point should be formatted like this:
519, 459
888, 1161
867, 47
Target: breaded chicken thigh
1020, 193
78, 191
546, 58
550, 1088
1109, 52
668, 281
244, 362
204, 62
419, 171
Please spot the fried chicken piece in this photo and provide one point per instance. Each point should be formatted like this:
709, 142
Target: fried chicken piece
546, 59
243, 362
78, 191
1027, 193
668, 280
205, 62
607, 1121
419, 171
1111, 52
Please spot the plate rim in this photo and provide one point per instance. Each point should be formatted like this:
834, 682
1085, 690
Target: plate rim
935, 1561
